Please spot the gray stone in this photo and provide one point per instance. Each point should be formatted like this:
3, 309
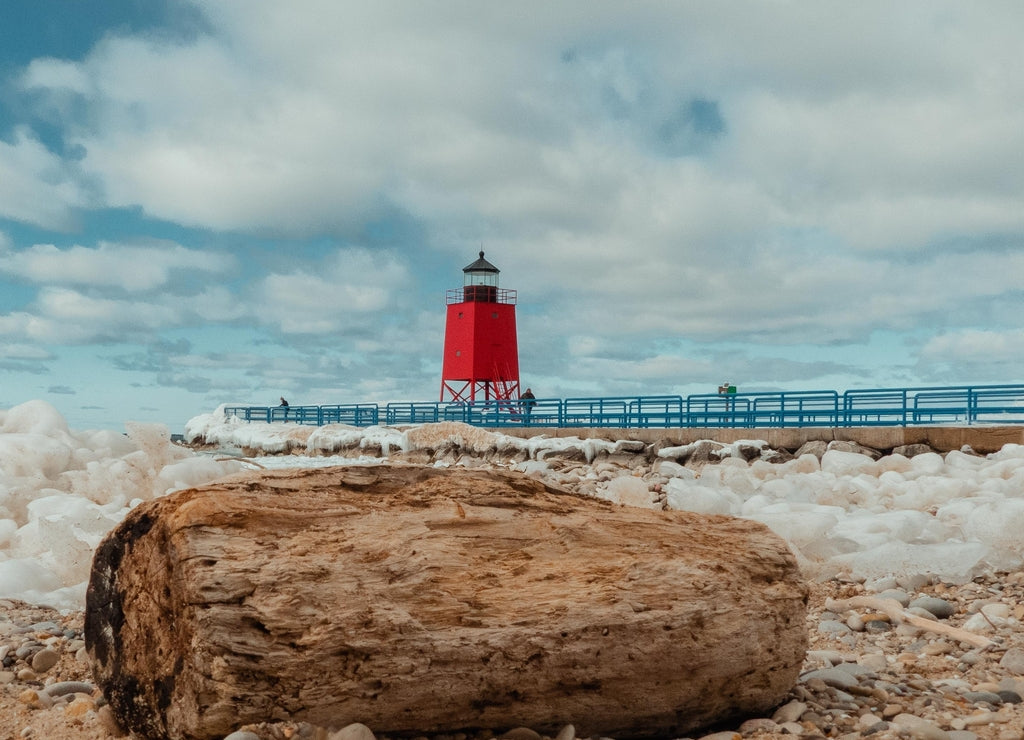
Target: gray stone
354, 731
832, 657
874, 662
1010, 697
704, 451
982, 696
918, 728
61, 688
855, 669
832, 627
835, 677
242, 735
44, 660
843, 445
790, 712
26, 651
815, 447
1008, 683
47, 628
911, 450
1013, 661
759, 724
936, 606
896, 594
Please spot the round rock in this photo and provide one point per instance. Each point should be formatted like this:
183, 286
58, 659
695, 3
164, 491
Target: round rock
918, 728
44, 660
1009, 697
939, 608
1013, 661
902, 597
354, 731
835, 677
988, 697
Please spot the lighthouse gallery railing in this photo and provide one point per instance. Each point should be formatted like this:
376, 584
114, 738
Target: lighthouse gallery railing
977, 404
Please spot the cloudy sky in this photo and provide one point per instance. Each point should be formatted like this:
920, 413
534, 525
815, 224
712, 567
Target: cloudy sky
233, 200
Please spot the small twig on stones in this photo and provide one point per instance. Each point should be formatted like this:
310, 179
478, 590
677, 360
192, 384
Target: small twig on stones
898, 615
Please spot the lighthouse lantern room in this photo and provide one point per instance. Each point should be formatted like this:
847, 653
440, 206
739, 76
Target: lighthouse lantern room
481, 356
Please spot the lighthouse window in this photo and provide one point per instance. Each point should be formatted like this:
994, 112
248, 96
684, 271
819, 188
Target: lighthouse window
458, 353
460, 314
494, 315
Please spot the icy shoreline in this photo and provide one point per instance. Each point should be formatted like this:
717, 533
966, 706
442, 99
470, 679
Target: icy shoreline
843, 512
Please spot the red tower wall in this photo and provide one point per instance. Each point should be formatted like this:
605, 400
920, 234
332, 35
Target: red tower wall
481, 354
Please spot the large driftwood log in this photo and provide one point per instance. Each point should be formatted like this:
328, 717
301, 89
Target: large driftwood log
418, 600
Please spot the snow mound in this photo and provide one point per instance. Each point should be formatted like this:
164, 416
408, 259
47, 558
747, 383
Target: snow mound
61, 491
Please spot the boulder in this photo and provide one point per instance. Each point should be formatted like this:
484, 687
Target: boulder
418, 600
750, 452
704, 452
815, 447
912, 450
842, 445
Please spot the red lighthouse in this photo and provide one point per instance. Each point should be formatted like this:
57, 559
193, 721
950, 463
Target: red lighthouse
481, 357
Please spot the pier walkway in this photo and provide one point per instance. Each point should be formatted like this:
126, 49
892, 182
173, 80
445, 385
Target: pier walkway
873, 407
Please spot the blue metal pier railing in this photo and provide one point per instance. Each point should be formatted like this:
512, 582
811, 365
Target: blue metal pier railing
978, 404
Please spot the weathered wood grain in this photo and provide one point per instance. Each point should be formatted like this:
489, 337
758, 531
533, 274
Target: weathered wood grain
419, 600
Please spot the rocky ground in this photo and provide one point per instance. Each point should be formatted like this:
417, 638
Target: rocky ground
957, 673
920, 659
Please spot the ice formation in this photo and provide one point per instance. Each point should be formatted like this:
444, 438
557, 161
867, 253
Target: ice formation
952, 515
62, 490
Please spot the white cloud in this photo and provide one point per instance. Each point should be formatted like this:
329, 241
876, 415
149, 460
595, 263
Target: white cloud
36, 186
303, 119
216, 304
24, 352
104, 314
352, 291
852, 174
65, 316
131, 268
976, 345
355, 287
56, 75
972, 356
885, 173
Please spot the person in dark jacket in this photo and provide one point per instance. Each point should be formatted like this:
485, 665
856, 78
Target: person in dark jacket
527, 402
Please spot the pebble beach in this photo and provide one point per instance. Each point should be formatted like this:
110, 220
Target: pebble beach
905, 654
865, 675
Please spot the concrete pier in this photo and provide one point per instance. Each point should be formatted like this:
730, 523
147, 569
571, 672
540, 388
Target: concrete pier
981, 439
